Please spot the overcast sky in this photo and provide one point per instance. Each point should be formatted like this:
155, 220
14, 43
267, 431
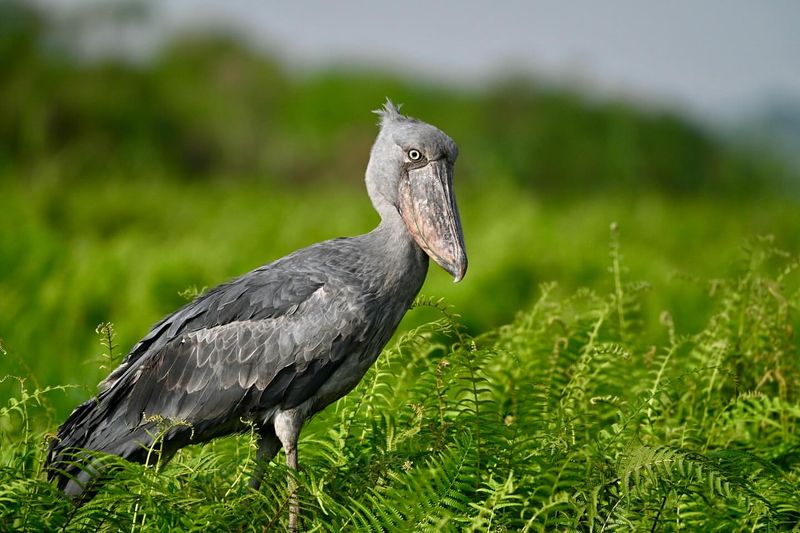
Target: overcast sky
720, 57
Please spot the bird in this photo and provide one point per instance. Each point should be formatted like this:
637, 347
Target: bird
271, 348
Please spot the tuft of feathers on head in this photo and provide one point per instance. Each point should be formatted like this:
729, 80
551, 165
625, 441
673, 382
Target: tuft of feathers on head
391, 113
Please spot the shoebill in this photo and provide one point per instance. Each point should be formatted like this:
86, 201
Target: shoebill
286, 340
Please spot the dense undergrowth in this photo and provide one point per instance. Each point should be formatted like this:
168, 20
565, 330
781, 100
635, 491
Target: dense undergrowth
568, 418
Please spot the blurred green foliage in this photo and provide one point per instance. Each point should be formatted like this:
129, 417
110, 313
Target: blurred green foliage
208, 107
73, 257
123, 184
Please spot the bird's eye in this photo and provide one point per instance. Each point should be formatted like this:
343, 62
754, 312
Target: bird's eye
414, 154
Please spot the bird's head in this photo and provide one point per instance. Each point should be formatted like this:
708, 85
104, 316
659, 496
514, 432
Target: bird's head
410, 172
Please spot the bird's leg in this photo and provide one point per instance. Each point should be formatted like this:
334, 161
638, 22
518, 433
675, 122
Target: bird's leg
287, 428
268, 447
294, 507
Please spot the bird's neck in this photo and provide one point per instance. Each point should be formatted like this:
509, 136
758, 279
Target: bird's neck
405, 263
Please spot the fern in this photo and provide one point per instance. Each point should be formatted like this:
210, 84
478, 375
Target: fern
575, 416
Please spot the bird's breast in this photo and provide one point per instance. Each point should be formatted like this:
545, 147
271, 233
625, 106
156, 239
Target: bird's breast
381, 317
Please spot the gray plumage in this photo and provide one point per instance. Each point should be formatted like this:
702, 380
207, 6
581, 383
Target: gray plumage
282, 342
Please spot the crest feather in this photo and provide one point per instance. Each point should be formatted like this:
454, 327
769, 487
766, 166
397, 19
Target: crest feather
391, 113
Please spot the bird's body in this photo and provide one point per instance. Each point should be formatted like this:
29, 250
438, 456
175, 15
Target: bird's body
298, 333
274, 346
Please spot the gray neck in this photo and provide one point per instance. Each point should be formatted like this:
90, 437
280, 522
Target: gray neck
400, 262
397, 255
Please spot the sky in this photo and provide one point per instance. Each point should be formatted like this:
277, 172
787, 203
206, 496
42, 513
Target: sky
714, 58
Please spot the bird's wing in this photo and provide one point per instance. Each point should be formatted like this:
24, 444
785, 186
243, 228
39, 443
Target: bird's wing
221, 373
268, 292
267, 339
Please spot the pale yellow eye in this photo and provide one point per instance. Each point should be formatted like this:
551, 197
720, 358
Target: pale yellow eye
414, 154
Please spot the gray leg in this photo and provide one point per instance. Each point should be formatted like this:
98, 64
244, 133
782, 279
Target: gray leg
268, 447
294, 506
287, 428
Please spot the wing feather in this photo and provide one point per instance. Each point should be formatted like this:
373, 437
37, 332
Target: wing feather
208, 373
267, 292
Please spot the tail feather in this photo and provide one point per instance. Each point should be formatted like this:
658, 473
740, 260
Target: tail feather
99, 427
71, 435
74, 458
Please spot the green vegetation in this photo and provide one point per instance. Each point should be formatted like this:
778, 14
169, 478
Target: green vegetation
71, 258
556, 390
208, 108
566, 418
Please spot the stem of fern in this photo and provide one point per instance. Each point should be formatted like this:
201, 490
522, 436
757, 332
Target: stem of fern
616, 270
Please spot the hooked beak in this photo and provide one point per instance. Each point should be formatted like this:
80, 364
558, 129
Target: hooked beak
428, 208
